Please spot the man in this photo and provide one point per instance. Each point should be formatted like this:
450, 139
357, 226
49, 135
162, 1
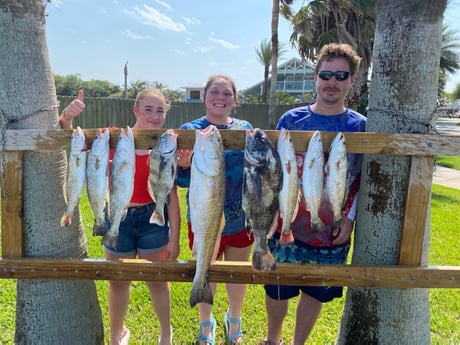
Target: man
334, 76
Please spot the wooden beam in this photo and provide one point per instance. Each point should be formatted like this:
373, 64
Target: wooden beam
369, 143
416, 210
233, 272
12, 204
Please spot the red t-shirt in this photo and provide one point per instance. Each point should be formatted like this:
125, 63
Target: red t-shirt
141, 193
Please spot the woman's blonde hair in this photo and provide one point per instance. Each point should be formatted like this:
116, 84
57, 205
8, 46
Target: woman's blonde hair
151, 92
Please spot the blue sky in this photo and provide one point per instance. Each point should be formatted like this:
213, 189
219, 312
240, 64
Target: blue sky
174, 42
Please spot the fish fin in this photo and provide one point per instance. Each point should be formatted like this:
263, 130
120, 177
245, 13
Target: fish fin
123, 215
201, 294
274, 224
157, 218
66, 220
217, 244
258, 184
263, 261
286, 238
150, 190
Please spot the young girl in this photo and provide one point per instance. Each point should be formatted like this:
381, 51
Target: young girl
137, 237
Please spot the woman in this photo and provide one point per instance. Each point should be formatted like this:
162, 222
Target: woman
235, 245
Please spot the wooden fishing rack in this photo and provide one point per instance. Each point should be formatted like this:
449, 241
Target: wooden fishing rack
407, 274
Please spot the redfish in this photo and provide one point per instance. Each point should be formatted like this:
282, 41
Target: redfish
206, 198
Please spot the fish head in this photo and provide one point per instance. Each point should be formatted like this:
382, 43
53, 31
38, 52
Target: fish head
208, 150
338, 144
285, 145
102, 134
126, 140
258, 147
168, 142
78, 140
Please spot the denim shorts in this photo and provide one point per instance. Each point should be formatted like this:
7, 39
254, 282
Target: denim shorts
137, 235
302, 253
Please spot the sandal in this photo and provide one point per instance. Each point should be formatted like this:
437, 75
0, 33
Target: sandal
238, 333
211, 323
266, 342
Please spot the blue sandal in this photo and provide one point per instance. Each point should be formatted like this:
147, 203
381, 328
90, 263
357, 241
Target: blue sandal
238, 333
211, 323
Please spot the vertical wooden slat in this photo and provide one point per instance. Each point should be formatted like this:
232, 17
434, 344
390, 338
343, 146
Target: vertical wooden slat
12, 205
415, 216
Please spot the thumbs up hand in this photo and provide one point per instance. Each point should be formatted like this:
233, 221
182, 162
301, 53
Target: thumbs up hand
75, 107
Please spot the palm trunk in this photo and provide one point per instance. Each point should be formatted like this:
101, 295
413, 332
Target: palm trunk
402, 100
47, 311
272, 104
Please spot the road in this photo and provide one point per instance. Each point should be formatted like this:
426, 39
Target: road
442, 175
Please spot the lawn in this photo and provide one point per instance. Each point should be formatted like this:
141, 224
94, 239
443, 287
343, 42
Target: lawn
445, 303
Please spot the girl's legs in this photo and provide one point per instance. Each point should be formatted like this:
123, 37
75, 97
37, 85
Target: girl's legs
160, 294
118, 305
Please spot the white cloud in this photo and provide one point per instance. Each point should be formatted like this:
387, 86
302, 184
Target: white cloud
203, 49
164, 4
191, 20
150, 16
135, 36
224, 44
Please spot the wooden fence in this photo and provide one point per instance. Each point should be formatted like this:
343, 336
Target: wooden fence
106, 112
407, 274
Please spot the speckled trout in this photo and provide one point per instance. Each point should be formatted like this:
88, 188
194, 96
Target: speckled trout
121, 184
96, 178
162, 173
261, 187
76, 172
206, 199
313, 179
336, 176
289, 193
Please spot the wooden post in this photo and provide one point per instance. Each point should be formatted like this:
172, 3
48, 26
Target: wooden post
12, 205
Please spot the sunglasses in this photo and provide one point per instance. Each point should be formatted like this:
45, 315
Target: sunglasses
339, 75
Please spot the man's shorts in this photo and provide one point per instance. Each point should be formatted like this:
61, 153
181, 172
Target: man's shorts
138, 235
239, 240
302, 253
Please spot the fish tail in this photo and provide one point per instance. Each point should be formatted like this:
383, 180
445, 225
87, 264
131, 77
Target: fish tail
201, 293
66, 220
157, 218
286, 238
99, 228
110, 239
263, 261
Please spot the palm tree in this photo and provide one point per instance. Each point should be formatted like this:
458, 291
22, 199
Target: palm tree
344, 21
450, 62
275, 54
264, 56
47, 311
401, 101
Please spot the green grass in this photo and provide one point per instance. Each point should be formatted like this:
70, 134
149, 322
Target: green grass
445, 303
452, 162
